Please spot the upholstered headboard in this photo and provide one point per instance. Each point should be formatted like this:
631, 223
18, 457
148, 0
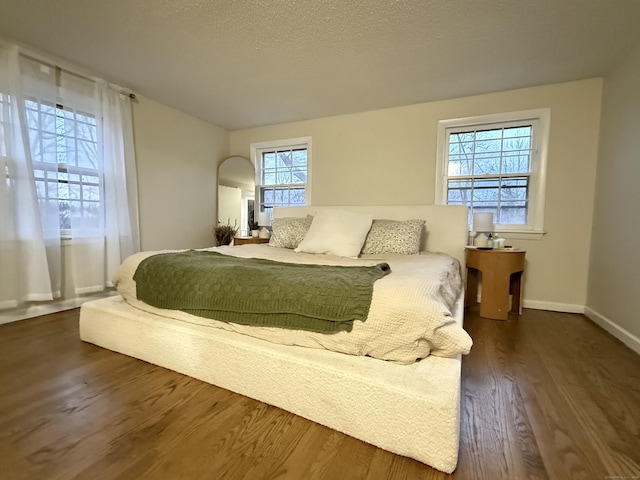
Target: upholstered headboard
446, 225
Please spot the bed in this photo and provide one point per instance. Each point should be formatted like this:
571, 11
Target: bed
411, 409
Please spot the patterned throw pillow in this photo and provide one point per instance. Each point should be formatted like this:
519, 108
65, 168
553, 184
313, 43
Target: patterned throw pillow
394, 236
288, 232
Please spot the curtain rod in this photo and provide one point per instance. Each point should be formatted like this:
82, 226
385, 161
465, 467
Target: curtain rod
35, 58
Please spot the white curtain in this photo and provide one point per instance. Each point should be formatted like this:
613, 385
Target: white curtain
24, 270
121, 186
77, 154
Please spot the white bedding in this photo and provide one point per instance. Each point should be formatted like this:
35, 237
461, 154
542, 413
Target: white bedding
410, 315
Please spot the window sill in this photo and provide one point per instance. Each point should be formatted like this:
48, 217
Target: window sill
519, 234
522, 234
71, 239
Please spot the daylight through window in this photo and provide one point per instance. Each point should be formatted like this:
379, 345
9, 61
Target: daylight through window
488, 171
64, 149
494, 167
282, 178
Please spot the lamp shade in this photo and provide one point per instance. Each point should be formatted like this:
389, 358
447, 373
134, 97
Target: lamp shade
483, 222
264, 219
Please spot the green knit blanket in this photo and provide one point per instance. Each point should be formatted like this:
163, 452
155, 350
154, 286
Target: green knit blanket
253, 291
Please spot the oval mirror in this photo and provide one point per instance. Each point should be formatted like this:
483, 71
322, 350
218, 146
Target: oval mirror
236, 193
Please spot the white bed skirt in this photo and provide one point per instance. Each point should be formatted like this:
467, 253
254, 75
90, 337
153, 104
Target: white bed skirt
412, 410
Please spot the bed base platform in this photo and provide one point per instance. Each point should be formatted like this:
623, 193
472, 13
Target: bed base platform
411, 410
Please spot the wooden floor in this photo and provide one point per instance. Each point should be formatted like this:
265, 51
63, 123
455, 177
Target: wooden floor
545, 396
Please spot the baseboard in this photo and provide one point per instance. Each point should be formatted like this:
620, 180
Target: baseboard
610, 326
626, 337
31, 311
553, 306
542, 305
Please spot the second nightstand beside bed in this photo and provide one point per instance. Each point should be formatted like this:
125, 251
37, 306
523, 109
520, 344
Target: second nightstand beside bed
502, 271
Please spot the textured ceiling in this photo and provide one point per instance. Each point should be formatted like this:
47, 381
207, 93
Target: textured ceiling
244, 63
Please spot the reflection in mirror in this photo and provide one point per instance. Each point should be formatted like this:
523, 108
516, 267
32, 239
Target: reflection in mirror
236, 193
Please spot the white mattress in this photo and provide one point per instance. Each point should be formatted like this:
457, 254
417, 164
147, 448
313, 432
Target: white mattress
412, 410
409, 318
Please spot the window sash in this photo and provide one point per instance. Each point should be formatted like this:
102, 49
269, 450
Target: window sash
282, 176
76, 191
64, 150
494, 149
527, 168
490, 150
509, 202
281, 196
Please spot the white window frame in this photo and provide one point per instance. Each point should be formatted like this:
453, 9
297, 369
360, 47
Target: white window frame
258, 148
540, 119
65, 168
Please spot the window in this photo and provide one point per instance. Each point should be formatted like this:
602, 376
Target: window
496, 164
282, 173
64, 150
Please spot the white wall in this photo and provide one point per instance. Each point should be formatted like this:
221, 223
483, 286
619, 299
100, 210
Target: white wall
389, 157
614, 287
177, 158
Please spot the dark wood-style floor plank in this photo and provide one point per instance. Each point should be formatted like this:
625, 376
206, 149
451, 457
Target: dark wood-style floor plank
544, 396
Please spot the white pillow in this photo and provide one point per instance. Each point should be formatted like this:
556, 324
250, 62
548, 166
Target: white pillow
337, 232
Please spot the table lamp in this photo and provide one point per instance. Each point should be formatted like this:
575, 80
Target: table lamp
483, 226
264, 221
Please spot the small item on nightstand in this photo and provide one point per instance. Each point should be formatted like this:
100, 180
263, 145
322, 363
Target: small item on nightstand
490, 240
264, 220
264, 233
480, 240
253, 227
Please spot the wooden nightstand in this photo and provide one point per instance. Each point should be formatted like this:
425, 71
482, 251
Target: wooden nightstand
502, 271
246, 240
